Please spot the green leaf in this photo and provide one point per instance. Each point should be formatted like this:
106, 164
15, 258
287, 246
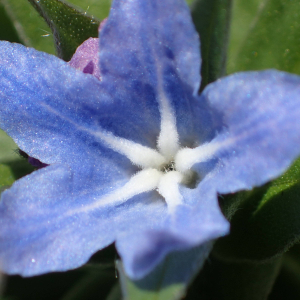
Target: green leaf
7, 28
169, 280
30, 27
234, 281
33, 31
211, 19
12, 166
7, 148
7, 154
13, 170
7, 177
264, 222
269, 36
97, 8
70, 26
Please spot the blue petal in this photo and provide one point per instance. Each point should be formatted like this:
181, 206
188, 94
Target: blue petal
44, 225
44, 102
261, 129
179, 268
144, 50
60, 107
197, 223
53, 230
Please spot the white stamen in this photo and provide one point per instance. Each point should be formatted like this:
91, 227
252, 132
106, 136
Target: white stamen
143, 181
139, 155
186, 157
167, 142
150, 178
168, 188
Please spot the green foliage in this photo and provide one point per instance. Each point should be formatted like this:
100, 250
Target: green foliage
7, 147
265, 221
212, 19
287, 285
235, 281
32, 31
88, 285
69, 26
7, 28
268, 36
12, 166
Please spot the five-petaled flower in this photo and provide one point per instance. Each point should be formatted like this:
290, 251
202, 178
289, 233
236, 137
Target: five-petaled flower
134, 155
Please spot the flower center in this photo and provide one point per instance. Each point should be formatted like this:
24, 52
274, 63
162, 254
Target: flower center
168, 167
165, 169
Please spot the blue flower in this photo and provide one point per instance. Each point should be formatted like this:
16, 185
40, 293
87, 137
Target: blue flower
136, 158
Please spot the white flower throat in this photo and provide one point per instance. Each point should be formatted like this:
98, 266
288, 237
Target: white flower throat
163, 169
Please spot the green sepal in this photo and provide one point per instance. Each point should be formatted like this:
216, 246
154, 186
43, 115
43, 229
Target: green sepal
70, 26
212, 19
169, 280
271, 38
265, 222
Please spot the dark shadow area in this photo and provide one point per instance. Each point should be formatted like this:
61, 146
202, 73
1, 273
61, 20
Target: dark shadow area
92, 281
259, 232
287, 284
